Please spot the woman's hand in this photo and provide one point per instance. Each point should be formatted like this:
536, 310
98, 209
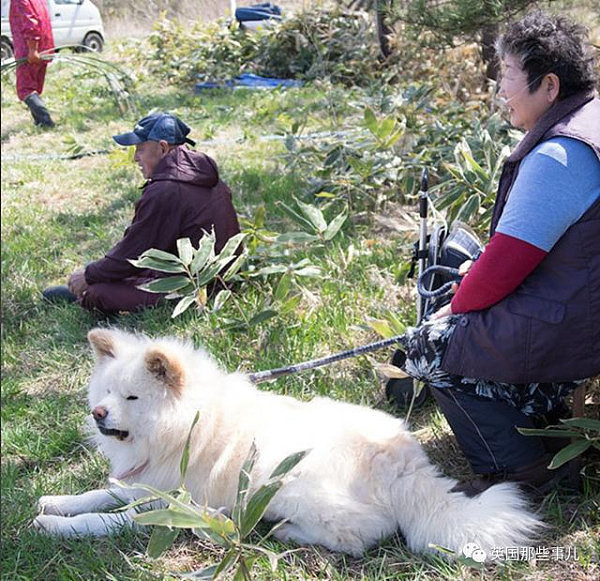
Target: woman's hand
445, 311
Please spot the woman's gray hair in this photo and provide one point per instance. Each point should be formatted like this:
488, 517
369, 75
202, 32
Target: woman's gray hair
551, 44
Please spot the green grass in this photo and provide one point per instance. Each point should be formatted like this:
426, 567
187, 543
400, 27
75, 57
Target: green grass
59, 214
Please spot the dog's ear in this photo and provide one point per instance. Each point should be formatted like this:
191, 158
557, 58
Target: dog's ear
166, 367
102, 342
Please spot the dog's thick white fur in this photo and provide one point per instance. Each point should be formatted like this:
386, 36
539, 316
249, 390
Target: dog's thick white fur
364, 478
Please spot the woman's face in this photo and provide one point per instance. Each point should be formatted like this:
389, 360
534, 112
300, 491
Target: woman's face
524, 108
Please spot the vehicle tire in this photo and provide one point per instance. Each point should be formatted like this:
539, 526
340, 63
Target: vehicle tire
93, 41
7, 49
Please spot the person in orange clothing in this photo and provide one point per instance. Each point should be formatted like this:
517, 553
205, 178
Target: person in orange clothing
32, 34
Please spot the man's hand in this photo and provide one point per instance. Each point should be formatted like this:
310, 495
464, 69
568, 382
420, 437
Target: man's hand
33, 56
77, 283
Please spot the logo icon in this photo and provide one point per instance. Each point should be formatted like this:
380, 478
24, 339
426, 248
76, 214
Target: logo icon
473, 551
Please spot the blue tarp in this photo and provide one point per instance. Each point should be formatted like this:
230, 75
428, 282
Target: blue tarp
247, 81
257, 12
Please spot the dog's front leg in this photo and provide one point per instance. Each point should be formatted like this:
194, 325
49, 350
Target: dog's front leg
94, 524
92, 501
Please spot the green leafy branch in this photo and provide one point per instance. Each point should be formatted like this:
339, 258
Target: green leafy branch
585, 434
312, 218
119, 82
193, 270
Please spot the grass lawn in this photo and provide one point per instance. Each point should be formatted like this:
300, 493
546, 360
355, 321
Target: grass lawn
58, 214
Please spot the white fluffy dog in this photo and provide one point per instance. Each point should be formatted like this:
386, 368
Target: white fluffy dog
364, 478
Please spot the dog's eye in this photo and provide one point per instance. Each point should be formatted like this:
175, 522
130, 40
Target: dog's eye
132, 397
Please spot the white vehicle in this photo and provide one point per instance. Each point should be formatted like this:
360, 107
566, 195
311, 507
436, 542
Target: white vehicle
73, 22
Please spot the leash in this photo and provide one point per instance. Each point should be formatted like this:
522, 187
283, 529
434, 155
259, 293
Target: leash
269, 374
423, 280
260, 376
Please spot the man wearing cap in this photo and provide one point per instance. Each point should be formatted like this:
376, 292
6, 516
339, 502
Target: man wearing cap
183, 197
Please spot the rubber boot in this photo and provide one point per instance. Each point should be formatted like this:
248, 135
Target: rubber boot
38, 110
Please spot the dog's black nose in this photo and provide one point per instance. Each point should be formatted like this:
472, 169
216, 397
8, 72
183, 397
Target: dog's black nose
99, 413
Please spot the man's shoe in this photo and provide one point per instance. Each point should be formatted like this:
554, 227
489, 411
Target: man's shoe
59, 294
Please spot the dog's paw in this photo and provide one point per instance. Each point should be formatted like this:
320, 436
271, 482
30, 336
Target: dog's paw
57, 505
49, 524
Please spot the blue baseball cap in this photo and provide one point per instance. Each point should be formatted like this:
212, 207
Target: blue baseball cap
157, 127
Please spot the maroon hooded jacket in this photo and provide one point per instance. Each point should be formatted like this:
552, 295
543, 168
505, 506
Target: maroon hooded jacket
184, 198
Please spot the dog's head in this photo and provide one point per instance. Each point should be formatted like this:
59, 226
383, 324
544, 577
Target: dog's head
134, 383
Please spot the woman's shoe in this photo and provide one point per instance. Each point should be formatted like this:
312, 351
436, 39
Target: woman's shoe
535, 478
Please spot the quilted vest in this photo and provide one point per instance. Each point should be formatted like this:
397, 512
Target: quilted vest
548, 329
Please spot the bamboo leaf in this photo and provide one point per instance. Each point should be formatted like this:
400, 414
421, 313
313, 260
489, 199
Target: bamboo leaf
381, 327
244, 483
232, 245
234, 267
227, 562
185, 456
183, 305
290, 305
206, 574
296, 237
585, 423
220, 300
288, 463
570, 452
257, 505
267, 270
206, 249
314, 215
469, 208
309, 271
370, 120
208, 274
160, 255
170, 517
165, 285
283, 287
334, 226
155, 264
262, 317
185, 250
553, 433
295, 215
160, 540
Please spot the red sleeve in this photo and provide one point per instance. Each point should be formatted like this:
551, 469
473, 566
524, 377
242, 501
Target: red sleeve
506, 262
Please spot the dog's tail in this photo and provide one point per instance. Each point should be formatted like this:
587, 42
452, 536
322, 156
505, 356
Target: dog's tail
429, 515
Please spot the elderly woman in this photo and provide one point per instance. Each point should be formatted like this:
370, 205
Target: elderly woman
523, 329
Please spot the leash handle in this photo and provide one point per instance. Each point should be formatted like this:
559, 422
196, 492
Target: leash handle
423, 280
